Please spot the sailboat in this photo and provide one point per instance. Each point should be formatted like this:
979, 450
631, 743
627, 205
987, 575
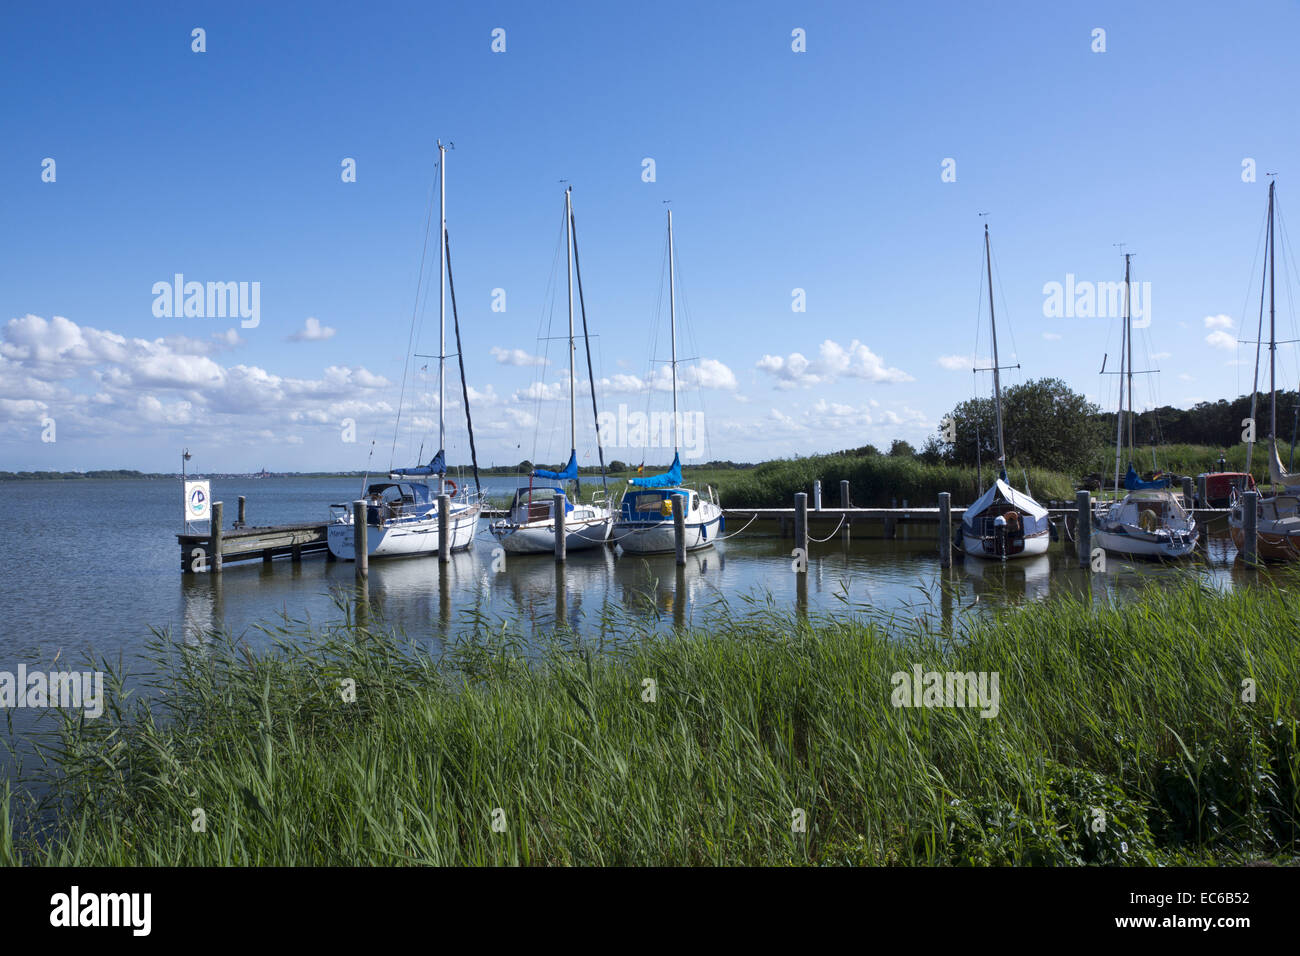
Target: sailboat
1278, 516
1003, 523
530, 527
1150, 521
402, 513
645, 523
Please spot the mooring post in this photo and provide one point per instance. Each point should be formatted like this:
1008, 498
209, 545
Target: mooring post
679, 597
945, 529
1083, 527
844, 503
444, 528
817, 495
360, 547
1250, 527
1187, 492
557, 506
679, 529
214, 543
561, 595
1202, 497
242, 501
801, 527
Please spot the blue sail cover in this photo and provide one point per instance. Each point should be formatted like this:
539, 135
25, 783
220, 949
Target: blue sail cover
1134, 483
669, 479
436, 466
569, 473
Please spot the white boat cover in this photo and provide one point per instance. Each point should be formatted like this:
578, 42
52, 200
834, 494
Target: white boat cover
1279, 475
1036, 514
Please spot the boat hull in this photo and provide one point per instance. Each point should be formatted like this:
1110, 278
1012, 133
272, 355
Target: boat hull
1269, 547
404, 538
539, 538
1144, 545
659, 537
977, 547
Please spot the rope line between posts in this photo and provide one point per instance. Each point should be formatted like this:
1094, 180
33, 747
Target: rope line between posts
724, 537
829, 536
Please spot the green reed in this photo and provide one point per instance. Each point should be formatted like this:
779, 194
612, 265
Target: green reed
1131, 716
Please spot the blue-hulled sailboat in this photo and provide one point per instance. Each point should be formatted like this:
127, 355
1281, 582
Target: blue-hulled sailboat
645, 521
530, 528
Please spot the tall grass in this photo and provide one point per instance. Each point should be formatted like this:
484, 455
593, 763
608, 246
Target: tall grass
1132, 716
874, 481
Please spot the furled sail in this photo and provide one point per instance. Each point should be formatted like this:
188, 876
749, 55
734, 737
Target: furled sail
436, 466
569, 473
1133, 482
1279, 475
669, 479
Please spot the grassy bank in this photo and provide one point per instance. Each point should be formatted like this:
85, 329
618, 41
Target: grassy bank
874, 481
1131, 716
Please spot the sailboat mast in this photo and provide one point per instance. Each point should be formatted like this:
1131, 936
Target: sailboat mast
997, 378
1128, 335
1272, 319
442, 306
672, 319
568, 249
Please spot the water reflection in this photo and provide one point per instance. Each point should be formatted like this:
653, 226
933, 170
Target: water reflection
534, 596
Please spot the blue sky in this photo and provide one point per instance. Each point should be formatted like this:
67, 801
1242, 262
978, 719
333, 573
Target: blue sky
817, 170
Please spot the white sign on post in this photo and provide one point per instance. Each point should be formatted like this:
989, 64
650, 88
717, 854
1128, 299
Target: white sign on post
198, 501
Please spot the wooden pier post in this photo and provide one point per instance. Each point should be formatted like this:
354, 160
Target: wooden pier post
844, 503
1250, 528
817, 495
679, 530
214, 542
561, 596
1202, 495
1187, 493
945, 529
360, 548
561, 543
679, 597
801, 526
444, 528
1083, 527
242, 502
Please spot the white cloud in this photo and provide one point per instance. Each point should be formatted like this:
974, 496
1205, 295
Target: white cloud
518, 357
833, 361
312, 331
1221, 340
1218, 322
98, 382
1052, 336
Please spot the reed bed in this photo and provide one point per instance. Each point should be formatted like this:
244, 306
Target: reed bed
1122, 737
874, 482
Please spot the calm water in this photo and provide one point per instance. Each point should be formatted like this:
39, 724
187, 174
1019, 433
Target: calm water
92, 566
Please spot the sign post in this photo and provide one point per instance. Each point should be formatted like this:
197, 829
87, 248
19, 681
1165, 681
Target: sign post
198, 502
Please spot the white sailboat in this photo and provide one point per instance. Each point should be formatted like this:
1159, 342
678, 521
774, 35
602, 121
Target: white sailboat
1003, 523
530, 527
402, 513
1277, 522
1150, 521
645, 523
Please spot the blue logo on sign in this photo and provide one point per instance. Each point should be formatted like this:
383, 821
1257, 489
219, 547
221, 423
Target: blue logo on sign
197, 501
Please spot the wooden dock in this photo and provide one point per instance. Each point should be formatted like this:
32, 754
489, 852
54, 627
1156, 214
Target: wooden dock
199, 553
892, 517
208, 551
